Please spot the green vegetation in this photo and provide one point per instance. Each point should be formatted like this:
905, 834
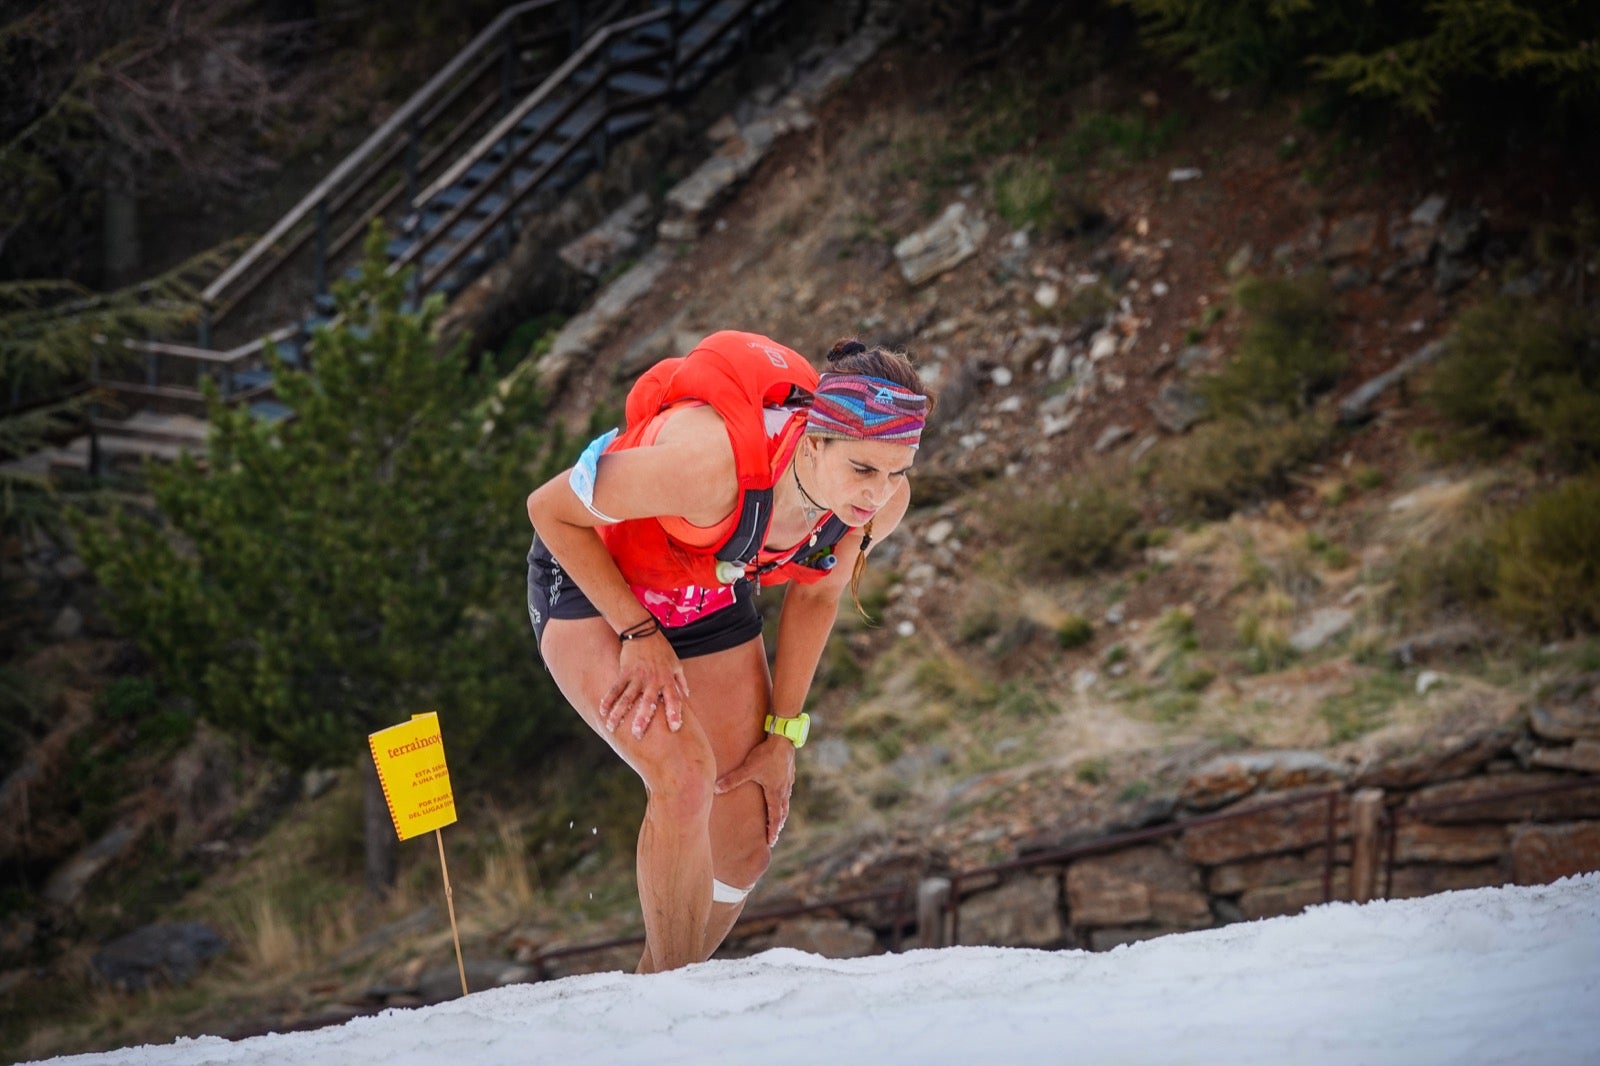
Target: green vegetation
1518, 370
1263, 398
1127, 137
1074, 631
50, 334
1263, 630
1221, 466
1449, 55
1096, 771
1081, 527
1286, 356
1365, 707
1025, 195
1548, 561
328, 576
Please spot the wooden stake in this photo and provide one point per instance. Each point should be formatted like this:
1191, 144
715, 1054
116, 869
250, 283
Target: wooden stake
450, 902
1366, 812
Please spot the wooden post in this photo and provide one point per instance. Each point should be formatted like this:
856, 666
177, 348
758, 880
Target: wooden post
1366, 814
933, 896
450, 902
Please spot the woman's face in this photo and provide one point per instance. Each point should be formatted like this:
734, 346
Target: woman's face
853, 478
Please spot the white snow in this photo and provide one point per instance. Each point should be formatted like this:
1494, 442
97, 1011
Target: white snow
1503, 975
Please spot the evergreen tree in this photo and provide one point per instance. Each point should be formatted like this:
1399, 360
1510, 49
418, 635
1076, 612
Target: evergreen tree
314, 580
1420, 57
50, 331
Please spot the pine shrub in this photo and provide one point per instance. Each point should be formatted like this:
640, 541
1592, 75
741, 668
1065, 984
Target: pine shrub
1548, 561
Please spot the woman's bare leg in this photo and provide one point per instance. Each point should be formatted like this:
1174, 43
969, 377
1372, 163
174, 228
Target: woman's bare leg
678, 770
689, 835
739, 851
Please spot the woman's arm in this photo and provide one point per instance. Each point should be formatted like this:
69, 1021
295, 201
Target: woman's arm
803, 628
809, 612
689, 472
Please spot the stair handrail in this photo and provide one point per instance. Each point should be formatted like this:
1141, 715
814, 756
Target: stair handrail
559, 77
407, 111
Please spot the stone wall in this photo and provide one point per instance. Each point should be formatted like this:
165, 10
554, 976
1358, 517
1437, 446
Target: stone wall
1249, 838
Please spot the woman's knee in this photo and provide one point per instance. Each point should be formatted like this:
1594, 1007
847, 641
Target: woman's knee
682, 783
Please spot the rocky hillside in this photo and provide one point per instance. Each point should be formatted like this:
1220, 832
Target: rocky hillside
1064, 234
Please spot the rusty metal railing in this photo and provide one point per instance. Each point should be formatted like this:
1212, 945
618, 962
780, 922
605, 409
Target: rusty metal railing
1394, 815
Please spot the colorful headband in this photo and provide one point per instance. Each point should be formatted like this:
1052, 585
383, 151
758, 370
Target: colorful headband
858, 407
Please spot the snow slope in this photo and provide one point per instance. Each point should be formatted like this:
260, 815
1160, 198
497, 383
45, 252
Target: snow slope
1506, 975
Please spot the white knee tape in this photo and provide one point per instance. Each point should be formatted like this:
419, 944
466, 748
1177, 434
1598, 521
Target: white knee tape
725, 893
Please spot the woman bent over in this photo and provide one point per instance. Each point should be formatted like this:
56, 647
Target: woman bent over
738, 467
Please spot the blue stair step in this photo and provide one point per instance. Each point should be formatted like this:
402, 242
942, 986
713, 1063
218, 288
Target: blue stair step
638, 49
655, 32
246, 380
635, 83
542, 153
622, 125
450, 197
290, 352
537, 119
270, 411
479, 173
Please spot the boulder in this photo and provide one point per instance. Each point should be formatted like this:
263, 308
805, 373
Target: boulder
1230, 777
617, 236
1357, 406
1583, 756
1569, 711
1443, 642
1276, 900
1428, 879
1273, 871
1267, 832
1544, 853
1478, 799
1418, 842
1111, 437
1441, 758
167, 953
1325, 624
1141, 884
951, 240
1177, 407
1023, 912
68, 881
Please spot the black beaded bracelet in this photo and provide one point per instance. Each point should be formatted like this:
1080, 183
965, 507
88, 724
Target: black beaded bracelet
648, 628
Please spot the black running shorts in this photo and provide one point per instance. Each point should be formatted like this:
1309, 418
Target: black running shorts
552, 594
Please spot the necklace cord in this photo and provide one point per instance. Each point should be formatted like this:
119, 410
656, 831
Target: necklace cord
812, 508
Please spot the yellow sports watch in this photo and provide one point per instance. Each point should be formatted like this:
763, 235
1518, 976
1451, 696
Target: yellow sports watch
795, 729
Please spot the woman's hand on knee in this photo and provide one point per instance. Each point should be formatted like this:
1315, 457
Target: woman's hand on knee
770, 765
649, 676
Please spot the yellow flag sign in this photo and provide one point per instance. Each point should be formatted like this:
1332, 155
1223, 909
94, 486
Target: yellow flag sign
416, 782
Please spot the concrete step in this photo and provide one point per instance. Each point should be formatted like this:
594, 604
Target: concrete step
118, 451
153, 426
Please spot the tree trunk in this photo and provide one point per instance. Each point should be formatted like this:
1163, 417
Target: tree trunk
378, 828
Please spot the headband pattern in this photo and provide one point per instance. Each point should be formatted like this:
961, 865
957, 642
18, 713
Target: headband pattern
859, 407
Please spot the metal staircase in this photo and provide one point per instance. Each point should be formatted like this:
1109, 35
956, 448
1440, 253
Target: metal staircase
534, 103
